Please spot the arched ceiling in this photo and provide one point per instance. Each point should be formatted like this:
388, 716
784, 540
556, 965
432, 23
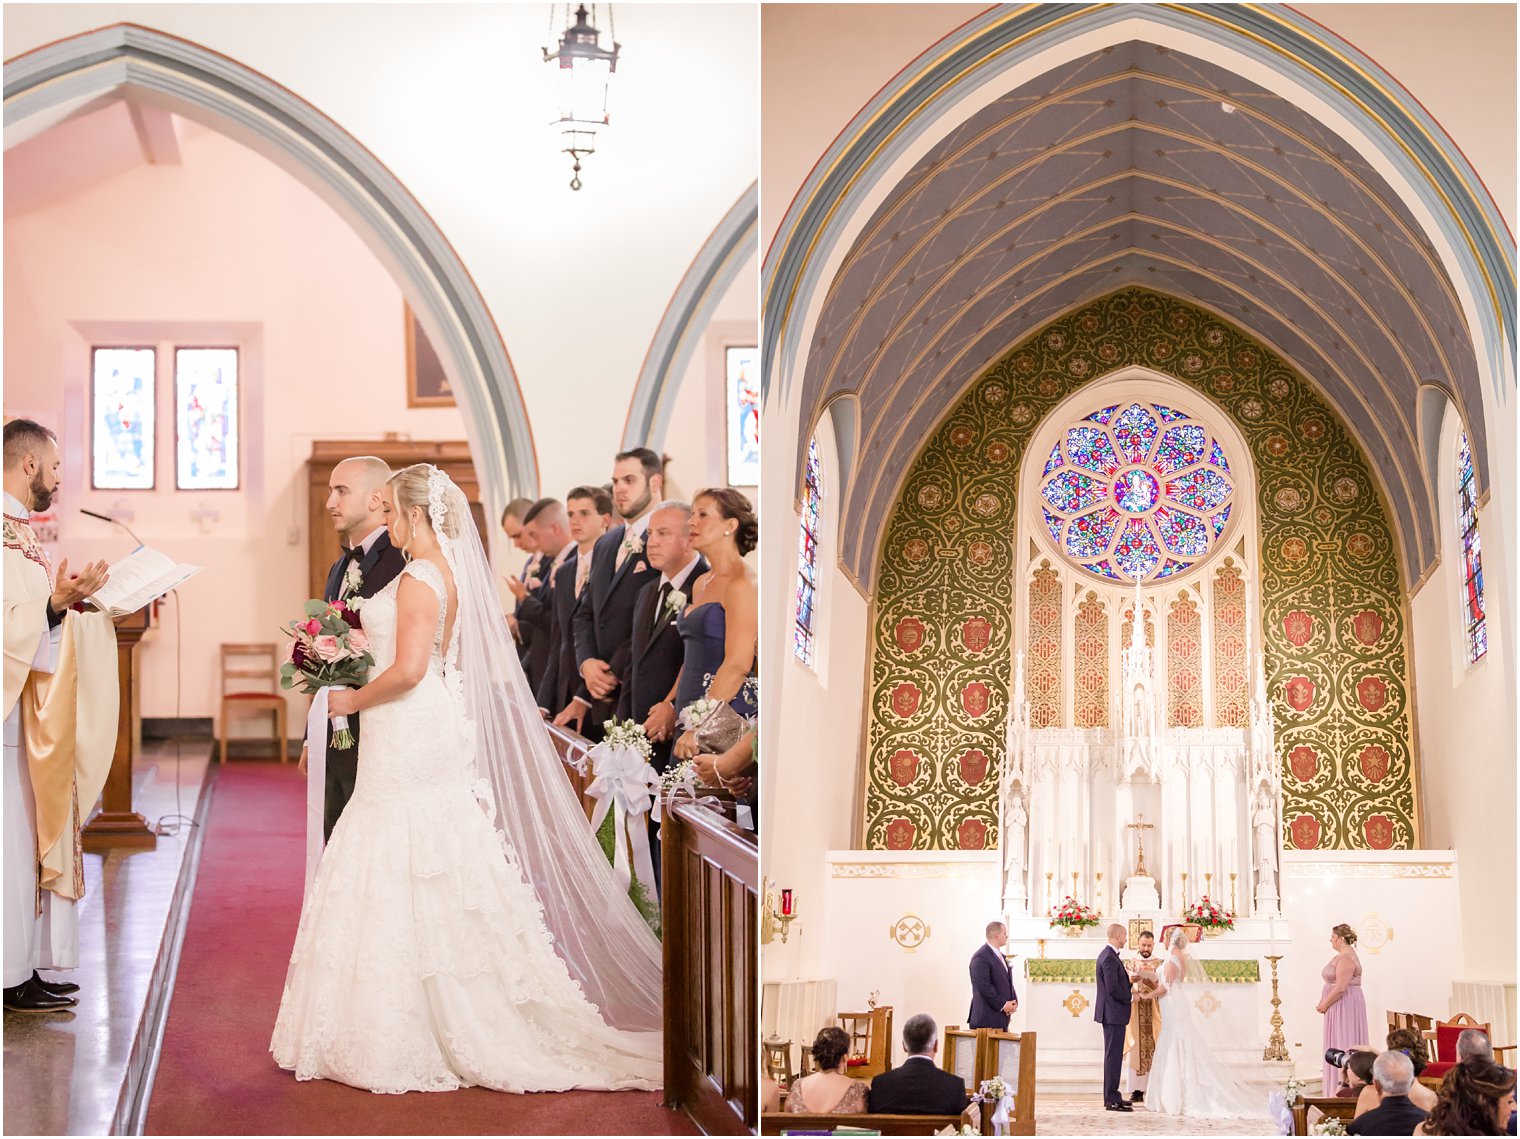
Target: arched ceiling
1142, 165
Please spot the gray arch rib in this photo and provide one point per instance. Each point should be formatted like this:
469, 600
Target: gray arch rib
713, 270
222, 92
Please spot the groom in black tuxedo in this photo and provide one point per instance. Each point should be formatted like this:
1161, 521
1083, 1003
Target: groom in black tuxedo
993, 999
368, 564
1111, 1009
619, 569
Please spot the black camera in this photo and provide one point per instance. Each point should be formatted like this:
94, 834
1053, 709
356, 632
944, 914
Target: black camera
1337, 1057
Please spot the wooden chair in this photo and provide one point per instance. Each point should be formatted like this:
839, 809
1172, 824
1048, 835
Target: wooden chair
1443, 1045
870, 1035
237, 669
778, 1061
1329, 1108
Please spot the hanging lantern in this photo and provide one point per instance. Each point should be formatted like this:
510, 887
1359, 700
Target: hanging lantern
585, 71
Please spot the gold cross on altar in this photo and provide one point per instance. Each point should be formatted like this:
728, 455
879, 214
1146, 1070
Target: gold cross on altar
1141, 826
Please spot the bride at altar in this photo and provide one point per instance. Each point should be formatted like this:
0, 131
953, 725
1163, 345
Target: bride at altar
464, 927
1187, 1076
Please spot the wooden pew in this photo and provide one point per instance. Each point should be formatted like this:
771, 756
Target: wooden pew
775, 1122
569, 745
710, 913
1342, 1108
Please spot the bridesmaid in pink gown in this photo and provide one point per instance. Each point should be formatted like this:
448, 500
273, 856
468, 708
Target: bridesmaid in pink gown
1341, 1002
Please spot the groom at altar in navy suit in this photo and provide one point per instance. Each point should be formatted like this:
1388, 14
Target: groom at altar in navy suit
993, 999
1111, 1009
603, 619
368, 564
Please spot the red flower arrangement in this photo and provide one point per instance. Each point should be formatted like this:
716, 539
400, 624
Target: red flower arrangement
1073, 914
1209, 914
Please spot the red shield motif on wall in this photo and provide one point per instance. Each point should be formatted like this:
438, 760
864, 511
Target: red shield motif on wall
1298, 627
1305, 831
1300, 692
910, 634
900, 835
975, 699
971, 834
905, 699
1368, 626
1372, 693
1374, 762
974, 766
1304, 763
975, 634
1379, 832
903, 766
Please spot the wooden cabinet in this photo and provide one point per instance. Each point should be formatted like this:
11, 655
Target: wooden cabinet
452, 457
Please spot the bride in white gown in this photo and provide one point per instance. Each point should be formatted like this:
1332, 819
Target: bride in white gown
1187, 1076
425, 959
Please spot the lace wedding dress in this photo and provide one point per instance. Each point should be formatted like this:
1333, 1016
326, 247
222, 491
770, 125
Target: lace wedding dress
1187, 1077
423, 960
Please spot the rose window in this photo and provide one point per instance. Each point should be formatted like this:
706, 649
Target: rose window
1137, 493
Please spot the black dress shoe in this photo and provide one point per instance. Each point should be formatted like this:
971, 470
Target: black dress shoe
1136, 1097
1117, 1107
29, 998
57, 988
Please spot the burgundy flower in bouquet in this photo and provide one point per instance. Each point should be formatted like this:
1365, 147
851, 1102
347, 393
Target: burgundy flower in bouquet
1209, 914
328, 648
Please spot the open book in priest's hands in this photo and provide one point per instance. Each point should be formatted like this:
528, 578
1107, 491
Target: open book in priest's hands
142, 577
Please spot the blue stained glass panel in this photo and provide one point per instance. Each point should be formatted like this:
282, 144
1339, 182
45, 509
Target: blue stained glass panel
1090, 448
1171, 567
1472, 554
1104, 415
1053, 524
1136, 552
1135, 430
1181, 447
807, 556
206, 418
1219, 520
1054, 461
1184, 534
1136, 491
1201, 489
1106, 569
1090, 534
1070, 491
1217, 457
122, 418
1169, 415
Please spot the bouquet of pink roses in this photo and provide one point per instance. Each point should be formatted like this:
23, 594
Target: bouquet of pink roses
328, 647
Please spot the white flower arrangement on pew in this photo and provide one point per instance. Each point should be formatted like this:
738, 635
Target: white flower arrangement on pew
1328, 1127
1293, 1090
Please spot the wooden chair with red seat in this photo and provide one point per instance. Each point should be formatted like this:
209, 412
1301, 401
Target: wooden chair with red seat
244, 664
1443, 1037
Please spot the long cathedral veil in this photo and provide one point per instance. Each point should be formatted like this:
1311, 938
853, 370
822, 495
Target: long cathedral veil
521, 781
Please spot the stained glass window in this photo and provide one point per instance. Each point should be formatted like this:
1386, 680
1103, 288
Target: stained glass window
807, 557
121, 419
1472, 556
1142, 491
206, 418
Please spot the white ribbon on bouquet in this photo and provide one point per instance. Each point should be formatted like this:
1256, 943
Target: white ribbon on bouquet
627, 783
1002, 1115
316, 777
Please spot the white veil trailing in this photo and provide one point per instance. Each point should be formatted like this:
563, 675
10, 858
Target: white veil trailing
520, 780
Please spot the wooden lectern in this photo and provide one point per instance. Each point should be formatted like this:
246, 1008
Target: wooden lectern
116, 824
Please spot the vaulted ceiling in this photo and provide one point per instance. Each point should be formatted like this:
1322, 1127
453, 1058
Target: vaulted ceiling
1139, 165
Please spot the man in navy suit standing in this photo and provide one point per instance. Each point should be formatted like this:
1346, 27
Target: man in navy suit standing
993, 999
1111, 1010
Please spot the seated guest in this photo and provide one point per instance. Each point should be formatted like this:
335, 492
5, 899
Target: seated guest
1358, 1075
918, 1086
1477, 1098
1472, 1045
1409, 1042
828, 1091
1393, 1072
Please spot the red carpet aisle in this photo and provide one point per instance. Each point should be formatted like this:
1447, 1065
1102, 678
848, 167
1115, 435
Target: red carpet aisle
215, 1074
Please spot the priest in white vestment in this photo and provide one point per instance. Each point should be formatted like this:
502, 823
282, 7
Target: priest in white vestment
61, 706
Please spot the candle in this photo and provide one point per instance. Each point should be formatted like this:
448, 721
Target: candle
786, 903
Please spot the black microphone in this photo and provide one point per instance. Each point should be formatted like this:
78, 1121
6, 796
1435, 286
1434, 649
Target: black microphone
113, 521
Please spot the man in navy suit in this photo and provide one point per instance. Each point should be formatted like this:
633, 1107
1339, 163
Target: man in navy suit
546, 526
603, 620
586, 512
993, 1000
1111, 1010
368, 564
918, 1086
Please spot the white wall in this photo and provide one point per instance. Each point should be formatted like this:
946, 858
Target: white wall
224, 245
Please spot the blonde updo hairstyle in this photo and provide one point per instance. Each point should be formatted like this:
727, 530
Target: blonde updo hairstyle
1345, 933
409, 486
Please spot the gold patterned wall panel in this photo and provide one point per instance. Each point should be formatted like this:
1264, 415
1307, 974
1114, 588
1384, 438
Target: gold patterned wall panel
1090, 664
1043, 669
1184, 664
1231, 693
1333, 614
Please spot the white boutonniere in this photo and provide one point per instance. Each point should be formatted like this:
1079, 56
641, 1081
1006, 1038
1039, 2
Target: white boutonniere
675, 601
352, 578
633, 544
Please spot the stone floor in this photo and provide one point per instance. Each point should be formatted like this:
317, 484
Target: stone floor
67, 1073
1084, 1115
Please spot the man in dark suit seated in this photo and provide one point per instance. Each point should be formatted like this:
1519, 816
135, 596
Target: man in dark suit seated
918, 1086
1393, 1072
993, 1000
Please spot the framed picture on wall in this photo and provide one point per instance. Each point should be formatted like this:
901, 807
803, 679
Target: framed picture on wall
426, 383
741, 365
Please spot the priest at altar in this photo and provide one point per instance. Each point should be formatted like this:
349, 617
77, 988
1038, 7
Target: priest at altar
60, 730
1145, 1022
